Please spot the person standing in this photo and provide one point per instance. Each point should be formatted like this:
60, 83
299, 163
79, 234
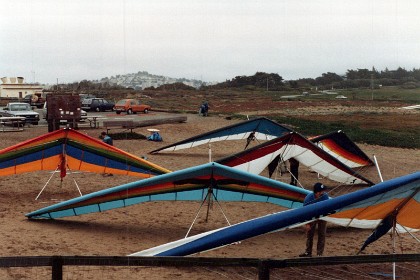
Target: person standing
294, 171
318, 194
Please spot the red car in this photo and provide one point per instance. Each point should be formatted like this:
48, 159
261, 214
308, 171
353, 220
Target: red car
131, 106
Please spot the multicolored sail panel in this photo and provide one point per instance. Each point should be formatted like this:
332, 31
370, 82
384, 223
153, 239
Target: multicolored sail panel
399, 197
341, 147
260, 128
69, 149
294, 145
195, 183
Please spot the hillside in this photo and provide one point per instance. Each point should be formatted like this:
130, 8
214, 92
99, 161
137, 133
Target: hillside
143, 79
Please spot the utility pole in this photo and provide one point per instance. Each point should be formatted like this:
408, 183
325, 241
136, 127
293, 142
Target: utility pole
371, 84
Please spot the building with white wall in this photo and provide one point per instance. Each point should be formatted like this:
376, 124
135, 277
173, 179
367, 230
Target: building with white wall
17, 88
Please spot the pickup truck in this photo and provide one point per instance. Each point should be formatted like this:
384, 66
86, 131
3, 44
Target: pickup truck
20, 109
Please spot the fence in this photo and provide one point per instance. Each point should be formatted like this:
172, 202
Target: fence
262, 266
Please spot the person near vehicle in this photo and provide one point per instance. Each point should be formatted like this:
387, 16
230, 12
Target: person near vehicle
318, 194
106, 138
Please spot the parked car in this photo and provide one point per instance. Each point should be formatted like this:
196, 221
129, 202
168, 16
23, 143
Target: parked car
340, 97
131, 106
86, 95
97, 104
20, 109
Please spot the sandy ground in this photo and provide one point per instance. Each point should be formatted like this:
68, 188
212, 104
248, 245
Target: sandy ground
128, 230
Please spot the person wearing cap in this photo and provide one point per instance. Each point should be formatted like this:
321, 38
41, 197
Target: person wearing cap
318, 194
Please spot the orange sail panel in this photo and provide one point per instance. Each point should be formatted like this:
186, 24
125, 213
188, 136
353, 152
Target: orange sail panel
69, 149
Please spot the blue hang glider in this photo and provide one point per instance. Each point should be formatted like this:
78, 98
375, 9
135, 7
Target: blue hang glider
365, 208
225, 183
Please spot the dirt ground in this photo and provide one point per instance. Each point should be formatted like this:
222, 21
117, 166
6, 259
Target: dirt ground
128, 230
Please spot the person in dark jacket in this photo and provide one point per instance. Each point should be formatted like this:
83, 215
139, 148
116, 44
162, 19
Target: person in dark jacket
318, 194
294, 171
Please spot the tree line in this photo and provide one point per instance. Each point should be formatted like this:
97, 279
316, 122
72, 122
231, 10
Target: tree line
359, 78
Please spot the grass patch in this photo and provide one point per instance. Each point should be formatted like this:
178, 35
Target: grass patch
382, 137
384, 94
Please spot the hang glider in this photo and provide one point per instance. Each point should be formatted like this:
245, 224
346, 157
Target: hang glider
260, 129
69, 149
341, 147
293, 145
399, 196
225, 183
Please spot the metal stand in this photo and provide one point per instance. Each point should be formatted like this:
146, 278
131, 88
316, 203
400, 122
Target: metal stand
55, 171
394, 231
208, 198
377, 167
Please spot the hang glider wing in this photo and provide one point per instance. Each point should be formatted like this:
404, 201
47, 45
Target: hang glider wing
260, 128
227, 184
341, 147
386, 224
402, 203
293, 145
376, 203
69, 149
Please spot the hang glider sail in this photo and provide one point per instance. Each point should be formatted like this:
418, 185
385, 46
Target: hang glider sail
293, 145
399, 196
69, 149
260, 129
401, 204
225, 183
341, 147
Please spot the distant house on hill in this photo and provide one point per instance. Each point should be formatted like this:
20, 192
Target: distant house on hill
15, 87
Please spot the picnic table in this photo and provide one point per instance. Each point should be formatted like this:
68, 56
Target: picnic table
93, 121
15, 123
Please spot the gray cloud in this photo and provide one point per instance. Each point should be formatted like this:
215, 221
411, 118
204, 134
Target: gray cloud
75, 40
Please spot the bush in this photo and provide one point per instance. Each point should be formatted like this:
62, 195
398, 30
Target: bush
127, 135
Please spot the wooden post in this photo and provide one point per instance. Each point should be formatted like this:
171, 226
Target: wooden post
263, 270
57, 268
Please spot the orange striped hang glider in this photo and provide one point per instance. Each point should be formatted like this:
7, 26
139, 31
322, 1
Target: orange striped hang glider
339, 145
68, 149
395, 201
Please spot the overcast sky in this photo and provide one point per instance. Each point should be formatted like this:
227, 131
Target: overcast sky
72, 40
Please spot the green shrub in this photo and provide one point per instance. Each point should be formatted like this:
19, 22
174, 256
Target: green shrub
389, 138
